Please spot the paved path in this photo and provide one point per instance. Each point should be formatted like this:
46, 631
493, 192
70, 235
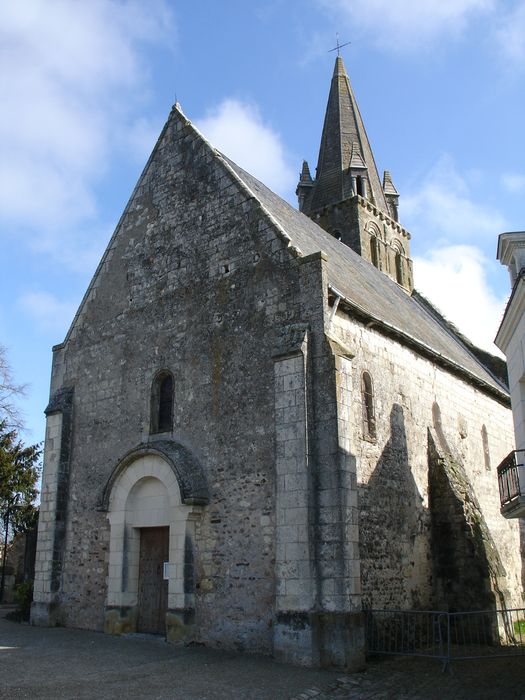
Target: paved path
55, 664
401, 678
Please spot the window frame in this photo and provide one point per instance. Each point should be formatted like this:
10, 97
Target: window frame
368, 407
161, 406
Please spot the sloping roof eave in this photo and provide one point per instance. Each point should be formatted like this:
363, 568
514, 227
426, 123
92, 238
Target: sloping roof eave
369, 289
422, 348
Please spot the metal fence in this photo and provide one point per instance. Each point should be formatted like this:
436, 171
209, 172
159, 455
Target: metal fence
446, 636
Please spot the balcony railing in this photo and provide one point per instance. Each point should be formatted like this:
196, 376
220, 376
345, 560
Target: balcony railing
511, 479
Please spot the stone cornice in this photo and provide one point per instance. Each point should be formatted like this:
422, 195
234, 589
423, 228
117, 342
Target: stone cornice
512, 316
508, 243
369, 206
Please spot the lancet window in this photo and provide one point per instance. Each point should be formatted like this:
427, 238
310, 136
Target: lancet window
162, 403
367, 395
399, 262
485, 442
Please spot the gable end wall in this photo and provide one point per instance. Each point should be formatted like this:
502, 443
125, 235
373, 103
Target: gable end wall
197, 282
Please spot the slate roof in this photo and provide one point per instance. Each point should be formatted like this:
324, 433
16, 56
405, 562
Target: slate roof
369, 293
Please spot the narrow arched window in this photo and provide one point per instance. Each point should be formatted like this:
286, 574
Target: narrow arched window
485, 442
162, 403
374, 251
360, 186
367, 394
399, 268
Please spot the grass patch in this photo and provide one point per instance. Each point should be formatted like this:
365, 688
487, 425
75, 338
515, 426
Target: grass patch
519, 627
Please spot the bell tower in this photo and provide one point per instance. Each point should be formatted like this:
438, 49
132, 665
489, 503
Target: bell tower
347, 197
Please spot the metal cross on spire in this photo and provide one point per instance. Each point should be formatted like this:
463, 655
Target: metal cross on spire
339, 46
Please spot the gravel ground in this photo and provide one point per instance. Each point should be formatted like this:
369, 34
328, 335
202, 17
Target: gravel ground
57, 663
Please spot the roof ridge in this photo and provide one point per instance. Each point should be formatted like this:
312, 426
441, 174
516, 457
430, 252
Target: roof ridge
226, 162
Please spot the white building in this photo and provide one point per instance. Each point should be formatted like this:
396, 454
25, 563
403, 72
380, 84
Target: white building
511, 340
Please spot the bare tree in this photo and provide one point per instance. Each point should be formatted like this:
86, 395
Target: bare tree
9, 391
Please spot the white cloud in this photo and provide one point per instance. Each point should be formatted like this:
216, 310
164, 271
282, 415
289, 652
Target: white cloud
444, 215
42, 195
513, 182
70, 72
454, 278
49, 313
237, 130
405, 25
510, 34
444, 208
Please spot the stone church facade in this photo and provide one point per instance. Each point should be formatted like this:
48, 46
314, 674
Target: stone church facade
257, 427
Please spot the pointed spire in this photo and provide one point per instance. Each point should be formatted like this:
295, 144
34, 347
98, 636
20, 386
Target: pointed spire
305, 178
347, 198
356, 160
304, 187
391, 195
344, 147
339, 68
388, 185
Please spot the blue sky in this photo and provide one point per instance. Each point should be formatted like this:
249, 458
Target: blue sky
87, 86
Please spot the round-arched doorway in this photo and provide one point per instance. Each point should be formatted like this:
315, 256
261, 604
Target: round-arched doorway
151, 535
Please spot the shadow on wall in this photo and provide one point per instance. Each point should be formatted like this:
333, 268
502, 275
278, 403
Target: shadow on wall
414, 557
393, 526
467, 570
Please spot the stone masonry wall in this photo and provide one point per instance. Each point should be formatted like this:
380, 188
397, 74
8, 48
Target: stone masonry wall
393, 470
198, 282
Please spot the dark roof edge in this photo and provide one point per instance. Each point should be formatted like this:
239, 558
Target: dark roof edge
226, 163
424, 350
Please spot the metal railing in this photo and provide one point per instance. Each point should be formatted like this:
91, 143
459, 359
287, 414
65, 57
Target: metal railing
445, 636
406, 632
509, 476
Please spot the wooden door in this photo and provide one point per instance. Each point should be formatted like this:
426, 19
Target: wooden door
153, 589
